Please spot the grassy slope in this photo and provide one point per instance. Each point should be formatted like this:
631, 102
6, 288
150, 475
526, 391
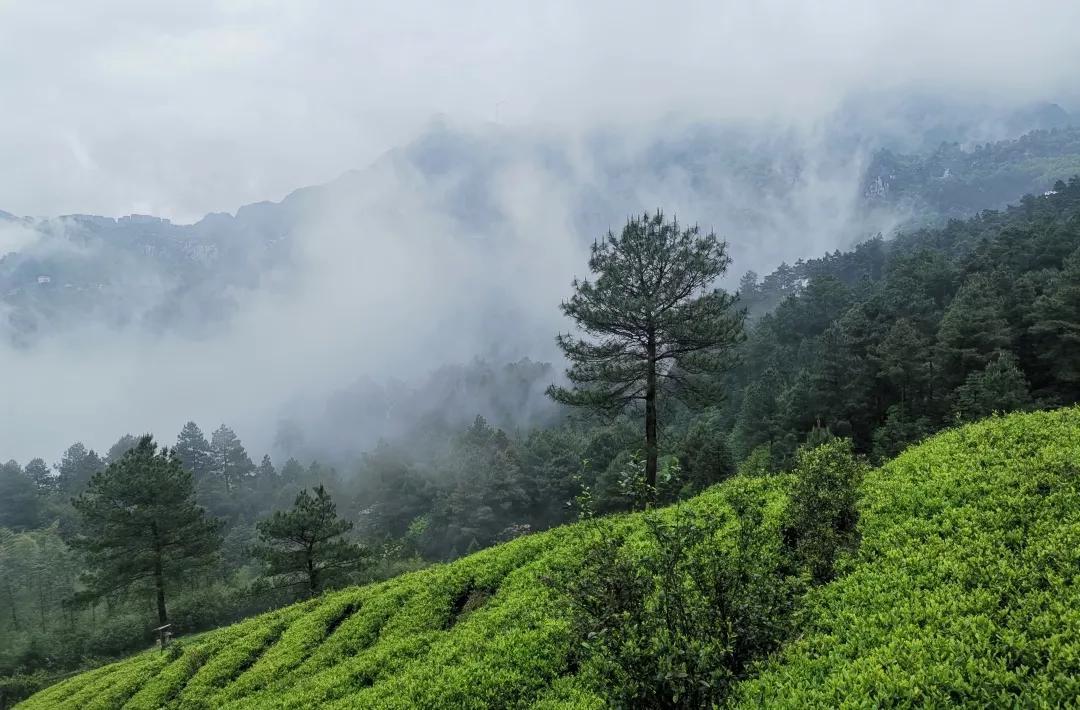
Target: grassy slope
964, 590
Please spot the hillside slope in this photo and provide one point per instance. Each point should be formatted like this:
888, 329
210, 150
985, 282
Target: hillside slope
964, 591
967, 585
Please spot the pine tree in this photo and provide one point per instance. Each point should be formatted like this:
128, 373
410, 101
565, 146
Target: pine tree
705, 457
903, 359
266, 481
230, 461
650, 319
38, 471
19, 500
1056, 327
266, 470
999, 387
972, 330
140, 525
305, 546
124, 444
193, 450
77, 468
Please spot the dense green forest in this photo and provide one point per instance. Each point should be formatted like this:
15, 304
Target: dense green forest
877, 347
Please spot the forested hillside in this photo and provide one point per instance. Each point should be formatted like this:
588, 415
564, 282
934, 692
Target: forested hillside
957, 181
881, 346
898, 338
953, 588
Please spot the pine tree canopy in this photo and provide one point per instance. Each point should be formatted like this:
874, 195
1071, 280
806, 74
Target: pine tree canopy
140, 524
651, 317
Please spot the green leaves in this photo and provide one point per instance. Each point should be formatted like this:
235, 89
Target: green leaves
652, 285
305, 547
140, 524
962, 593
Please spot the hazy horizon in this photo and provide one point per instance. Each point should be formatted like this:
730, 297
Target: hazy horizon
492, 141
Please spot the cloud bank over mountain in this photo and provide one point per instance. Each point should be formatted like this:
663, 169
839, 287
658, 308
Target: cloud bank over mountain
460, 236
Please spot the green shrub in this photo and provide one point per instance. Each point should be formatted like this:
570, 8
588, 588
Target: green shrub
673, 614
822, 522
15, 687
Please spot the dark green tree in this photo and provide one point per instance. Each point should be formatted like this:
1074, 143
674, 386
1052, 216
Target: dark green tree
972, 330
140, 524
38, 471
999, 387
705, 456
900, 429
1056, 326
230, 461
904, 360
124, 444
650, 317
758, 422
306, 547
76, 469
193, 450
19, 500
392, 495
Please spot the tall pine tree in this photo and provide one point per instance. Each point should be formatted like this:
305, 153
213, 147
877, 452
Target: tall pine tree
651, 317
231, 462
140, 525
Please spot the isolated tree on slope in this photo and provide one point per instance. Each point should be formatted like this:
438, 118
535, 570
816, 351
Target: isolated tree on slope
140, 524
651, 319
305, 546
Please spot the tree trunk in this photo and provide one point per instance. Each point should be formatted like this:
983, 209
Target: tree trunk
313, 574
650, 417
159, 579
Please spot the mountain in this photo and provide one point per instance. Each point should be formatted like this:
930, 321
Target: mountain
954, 181
960, 593
775, 193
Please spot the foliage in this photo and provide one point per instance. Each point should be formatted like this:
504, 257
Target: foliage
883, 345
674, 617
484, 631
305, 546
960, 593
652, 323
822, 522
891, 341
999, 387
963, 589
140, 524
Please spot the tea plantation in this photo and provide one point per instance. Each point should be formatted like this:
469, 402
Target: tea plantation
965, 590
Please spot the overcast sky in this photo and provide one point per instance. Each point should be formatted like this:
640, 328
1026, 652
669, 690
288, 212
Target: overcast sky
178, 109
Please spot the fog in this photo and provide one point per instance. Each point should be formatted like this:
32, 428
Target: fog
489, 144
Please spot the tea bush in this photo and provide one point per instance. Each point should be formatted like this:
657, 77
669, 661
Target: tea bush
963, 590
